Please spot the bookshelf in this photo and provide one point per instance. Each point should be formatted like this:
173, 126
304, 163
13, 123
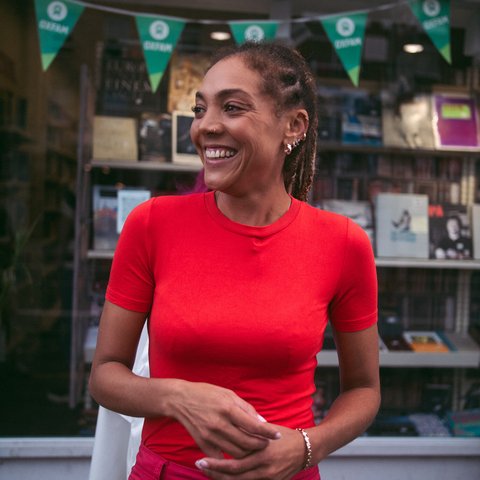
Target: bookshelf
437, 291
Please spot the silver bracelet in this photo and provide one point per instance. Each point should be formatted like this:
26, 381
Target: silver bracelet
308, 447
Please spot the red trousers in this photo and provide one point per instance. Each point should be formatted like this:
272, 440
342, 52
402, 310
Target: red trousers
151, 466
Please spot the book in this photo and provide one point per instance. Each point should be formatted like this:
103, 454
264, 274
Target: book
401, 225
115, 138
105, 207
127, 200
455, 122
476, 230
183, 149
155, 137
122, 80
425, 341
330, 106
449, 232
361, 118
186, 75
407, 121
359, 211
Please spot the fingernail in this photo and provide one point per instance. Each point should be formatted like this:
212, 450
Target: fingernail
201, 464
260, 418
278, 435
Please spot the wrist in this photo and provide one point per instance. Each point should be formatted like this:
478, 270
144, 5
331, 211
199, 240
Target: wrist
308, 455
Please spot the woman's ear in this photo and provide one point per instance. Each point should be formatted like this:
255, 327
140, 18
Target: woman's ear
297, 124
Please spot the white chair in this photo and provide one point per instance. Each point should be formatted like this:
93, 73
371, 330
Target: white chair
117, 437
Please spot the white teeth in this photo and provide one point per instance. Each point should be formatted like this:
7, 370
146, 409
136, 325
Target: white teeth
219, 153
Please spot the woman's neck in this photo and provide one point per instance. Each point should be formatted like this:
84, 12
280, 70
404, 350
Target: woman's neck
255, 209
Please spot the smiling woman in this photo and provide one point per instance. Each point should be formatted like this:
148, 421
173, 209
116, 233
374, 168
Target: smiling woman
218, 273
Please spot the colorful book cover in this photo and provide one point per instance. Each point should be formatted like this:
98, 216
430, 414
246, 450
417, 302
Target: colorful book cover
362, 118
425, 342
401, 225
128, 199
450, 235
455, 122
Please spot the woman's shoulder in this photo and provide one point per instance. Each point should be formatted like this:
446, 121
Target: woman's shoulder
338, 225
171, 203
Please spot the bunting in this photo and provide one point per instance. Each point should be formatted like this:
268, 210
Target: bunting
159, 34
346, 32
55, 20
159, 37
259, 31
434, 15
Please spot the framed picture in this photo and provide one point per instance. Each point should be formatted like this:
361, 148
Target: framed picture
183, 150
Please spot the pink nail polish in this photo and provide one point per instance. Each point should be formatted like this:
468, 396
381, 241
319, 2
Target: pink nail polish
201, 464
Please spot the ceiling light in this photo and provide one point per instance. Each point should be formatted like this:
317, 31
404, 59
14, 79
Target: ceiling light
221, 36
413, 48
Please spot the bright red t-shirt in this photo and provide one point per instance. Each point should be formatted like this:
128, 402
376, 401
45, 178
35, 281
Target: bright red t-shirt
240, 306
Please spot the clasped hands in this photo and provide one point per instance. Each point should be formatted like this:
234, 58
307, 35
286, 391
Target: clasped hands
221, 423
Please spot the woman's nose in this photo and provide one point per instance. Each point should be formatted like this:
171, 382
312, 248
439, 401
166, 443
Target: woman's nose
210, 124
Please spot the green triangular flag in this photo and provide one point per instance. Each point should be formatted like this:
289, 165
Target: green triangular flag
159, 36
253, 31
55, 21
434, 15
346, 32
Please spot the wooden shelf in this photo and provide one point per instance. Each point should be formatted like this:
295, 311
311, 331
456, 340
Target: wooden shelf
467, 356
427, 263
380, 262
157, 166
385, 150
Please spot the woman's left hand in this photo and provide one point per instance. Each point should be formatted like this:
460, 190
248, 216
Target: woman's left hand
280, 460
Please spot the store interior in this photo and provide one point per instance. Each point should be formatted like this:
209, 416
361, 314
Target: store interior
54, 266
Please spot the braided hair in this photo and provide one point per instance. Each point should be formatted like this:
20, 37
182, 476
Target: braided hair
288, 80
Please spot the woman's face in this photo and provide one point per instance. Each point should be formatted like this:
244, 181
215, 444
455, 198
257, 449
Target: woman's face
236, 130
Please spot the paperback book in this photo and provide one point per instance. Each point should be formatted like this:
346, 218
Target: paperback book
407, 122
362, 118
455, 122
186, 75
476, 230
449, 232
425, 341
128, 199
401, 225
115, 138
155, 137
105, 208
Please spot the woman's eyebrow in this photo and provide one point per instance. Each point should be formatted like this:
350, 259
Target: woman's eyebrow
226, 93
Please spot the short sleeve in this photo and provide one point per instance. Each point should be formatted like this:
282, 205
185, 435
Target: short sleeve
131, 281
355, 303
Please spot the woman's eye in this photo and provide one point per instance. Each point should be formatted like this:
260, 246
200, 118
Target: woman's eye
232, 108
197, 109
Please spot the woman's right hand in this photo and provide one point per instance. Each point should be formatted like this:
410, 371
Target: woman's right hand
220, 421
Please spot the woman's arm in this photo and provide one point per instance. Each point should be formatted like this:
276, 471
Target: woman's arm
349, 416
359, 400
217, 418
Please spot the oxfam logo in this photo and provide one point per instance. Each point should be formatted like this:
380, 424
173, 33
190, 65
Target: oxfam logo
431, 8
345, 27
159, 30
254, 33
57, 11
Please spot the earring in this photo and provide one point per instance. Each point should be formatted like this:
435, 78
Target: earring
288, 148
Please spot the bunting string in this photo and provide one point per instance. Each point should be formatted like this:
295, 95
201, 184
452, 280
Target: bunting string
159, 34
